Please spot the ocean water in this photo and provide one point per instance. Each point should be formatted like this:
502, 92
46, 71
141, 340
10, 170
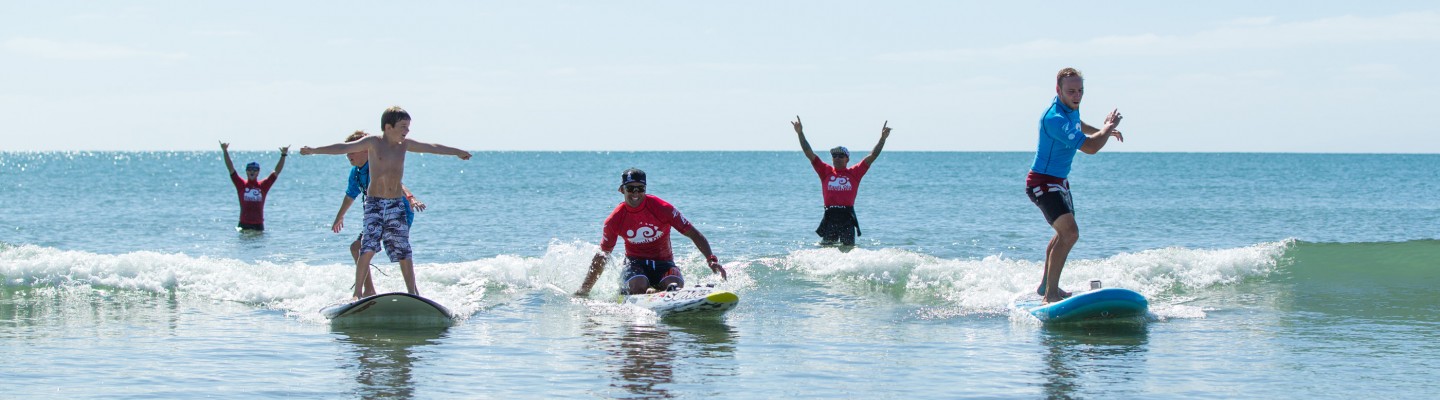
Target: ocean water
1270, 276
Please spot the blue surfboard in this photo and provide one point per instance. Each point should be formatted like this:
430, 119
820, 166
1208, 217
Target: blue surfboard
1094, 305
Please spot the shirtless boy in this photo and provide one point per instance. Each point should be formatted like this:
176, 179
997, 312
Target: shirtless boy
384, 199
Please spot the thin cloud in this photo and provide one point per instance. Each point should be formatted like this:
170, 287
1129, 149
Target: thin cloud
234, 33
80, 51
1376, 71
1240, 34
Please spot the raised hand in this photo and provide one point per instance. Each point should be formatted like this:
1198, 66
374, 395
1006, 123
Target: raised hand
799, 129
1113, 118
885, 129
224, 146
1112, 121
285, 151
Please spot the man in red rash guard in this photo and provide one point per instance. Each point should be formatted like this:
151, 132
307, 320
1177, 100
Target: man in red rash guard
644, 221
252, 191
839, 183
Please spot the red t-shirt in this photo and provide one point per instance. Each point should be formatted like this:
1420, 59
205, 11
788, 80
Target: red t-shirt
252, 197
839, 185
646, 229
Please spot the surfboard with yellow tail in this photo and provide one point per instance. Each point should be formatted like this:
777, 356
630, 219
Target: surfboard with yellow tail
699, 301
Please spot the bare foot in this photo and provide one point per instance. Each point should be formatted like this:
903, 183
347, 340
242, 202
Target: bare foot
1051, 299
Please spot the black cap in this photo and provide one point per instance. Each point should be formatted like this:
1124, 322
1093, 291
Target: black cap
632, 175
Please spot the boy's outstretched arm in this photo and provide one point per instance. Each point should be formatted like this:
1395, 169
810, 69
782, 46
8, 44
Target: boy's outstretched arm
422, 147
340, 148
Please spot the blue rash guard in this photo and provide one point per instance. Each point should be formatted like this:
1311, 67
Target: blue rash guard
360, 180
1060, 137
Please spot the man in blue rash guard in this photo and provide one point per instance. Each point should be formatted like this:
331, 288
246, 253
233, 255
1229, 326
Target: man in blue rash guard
1061, 133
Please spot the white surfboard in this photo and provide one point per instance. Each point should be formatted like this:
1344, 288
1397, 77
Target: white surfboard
390, 309
692, 301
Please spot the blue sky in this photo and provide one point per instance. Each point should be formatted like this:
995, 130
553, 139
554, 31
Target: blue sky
1313, 76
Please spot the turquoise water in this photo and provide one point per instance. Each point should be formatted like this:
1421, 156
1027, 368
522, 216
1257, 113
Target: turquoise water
1270, 275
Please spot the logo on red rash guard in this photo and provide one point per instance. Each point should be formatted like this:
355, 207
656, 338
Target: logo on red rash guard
253, 194
645, 234
838, 183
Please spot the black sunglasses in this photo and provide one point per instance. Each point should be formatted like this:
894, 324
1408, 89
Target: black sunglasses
838, 155
635, 188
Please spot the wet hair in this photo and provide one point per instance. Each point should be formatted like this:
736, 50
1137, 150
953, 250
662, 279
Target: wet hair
392, 116
356, 136
1066, 73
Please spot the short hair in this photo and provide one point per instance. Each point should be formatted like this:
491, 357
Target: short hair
356, 136
1066, 73
392, 116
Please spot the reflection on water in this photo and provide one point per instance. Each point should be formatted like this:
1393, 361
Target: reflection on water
1096, 355
712, 338
386, 358
57, 311
646, 360
646, 356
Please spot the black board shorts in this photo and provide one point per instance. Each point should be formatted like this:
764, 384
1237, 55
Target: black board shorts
839, 224
1053, 200
653, 270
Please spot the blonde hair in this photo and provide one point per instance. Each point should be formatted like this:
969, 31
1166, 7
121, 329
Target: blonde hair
356, 136
1066, 73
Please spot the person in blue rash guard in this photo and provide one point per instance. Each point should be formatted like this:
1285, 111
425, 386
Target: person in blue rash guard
358, 181
1047, 184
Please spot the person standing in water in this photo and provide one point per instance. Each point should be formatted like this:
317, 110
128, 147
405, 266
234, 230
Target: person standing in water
839, 183
1047, 185
252, 191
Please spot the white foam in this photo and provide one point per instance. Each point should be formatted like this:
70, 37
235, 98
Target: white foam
298, 289
942, 287
989, 285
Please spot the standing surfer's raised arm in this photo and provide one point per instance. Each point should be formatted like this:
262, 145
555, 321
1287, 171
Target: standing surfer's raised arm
884, 134
804, 144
